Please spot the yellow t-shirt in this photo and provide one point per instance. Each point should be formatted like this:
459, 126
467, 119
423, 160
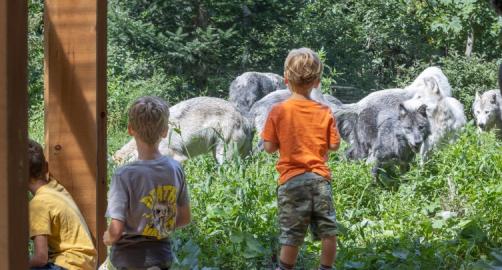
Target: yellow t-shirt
54, 213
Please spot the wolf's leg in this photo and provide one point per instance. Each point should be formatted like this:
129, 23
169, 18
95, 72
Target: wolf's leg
375, 172
404, 167
371, 159
220, 152
424, 152
258, 148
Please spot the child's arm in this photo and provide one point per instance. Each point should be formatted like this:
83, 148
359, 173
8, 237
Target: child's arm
183, 212
183, 216
334, 136
118, 201
269, 134
114, 232
41, 254
270, 147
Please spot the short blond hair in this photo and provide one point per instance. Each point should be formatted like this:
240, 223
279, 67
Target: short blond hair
149, 118
302, 67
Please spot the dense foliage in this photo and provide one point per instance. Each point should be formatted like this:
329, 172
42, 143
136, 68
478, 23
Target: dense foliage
180, 49
445, 215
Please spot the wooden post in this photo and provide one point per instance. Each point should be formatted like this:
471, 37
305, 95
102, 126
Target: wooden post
75, 104
13, 135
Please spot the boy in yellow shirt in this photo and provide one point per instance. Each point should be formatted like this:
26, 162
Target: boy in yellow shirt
60, 235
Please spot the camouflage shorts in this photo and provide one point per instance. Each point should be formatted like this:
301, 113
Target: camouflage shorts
302, 201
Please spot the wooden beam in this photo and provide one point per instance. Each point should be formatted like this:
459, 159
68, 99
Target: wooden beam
13, 135
75, 104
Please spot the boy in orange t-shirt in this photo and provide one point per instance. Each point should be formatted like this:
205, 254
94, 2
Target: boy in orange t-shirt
303, 131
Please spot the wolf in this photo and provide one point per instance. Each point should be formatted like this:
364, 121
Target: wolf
260, 110
333, 100
432, 74
487, 110
358, 123
250, 87
399, 137
446, 116
198, 126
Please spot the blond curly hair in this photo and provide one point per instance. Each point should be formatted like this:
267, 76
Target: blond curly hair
149, 118
302, 67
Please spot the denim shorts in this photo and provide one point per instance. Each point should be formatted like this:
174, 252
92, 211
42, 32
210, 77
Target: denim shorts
305, 200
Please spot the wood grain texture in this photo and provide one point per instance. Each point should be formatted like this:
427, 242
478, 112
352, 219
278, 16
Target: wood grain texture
75, 104
13, 135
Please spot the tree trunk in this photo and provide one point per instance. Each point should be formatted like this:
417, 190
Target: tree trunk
470, 43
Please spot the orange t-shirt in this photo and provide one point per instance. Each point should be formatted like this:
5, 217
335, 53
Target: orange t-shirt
304, 129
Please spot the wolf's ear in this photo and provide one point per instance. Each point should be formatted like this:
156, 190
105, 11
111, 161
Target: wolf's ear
432, 85
493, 100
422, 110
477, 96
402, 110
435, 89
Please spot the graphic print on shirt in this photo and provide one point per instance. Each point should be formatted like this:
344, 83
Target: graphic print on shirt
162, 217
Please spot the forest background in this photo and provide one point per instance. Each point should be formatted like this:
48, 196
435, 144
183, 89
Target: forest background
181, 49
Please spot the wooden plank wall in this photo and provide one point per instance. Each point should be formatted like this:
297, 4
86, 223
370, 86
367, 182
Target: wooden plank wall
75, 104
13, 135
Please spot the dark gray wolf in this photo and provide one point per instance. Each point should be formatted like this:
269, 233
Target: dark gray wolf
399, 137
250, 87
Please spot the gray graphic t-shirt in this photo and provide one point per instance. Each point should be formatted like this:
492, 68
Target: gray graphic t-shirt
144, 195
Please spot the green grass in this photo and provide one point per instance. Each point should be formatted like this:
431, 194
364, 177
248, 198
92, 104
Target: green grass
234, 211
235, 227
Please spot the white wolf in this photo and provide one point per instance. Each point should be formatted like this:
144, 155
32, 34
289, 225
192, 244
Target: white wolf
435, 74
487, 109
198, 126
445, 114
250, 87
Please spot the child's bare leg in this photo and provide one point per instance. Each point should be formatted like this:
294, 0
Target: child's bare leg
288, 256
328, 252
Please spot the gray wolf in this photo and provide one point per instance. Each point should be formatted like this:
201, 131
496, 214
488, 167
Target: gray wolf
398, 139
259, 111
358, 122
198, 126
487, 109
250, 87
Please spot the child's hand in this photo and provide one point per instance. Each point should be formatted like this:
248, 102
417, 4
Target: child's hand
106, 239
114, 232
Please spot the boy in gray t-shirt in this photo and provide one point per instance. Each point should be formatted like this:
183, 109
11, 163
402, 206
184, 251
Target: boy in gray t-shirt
148, 198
